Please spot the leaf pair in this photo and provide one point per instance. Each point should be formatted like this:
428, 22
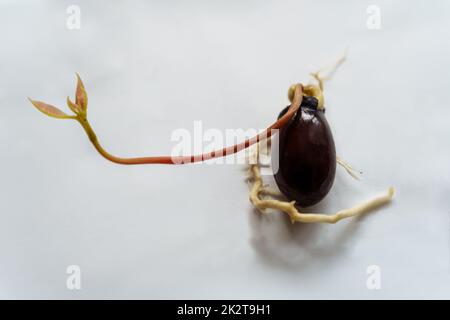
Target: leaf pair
79, 107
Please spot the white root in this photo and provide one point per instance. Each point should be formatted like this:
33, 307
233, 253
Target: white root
354, 173
331, 71
289, 208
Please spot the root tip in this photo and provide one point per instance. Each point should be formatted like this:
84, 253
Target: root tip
391, 192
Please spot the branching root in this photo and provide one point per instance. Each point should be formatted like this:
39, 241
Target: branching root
257, 189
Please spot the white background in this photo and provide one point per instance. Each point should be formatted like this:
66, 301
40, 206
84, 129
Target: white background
190, 231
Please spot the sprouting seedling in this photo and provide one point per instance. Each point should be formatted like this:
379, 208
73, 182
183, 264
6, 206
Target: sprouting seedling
306, 169
79, 108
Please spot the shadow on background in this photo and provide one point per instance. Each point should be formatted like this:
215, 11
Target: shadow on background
281, 244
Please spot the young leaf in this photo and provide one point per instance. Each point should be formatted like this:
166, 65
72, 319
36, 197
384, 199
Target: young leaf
74, 107
49, 110
80, 95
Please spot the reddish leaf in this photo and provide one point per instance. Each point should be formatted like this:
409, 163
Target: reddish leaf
81, 95
49, 110
74, 107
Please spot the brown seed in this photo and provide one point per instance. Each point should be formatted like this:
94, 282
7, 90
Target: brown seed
305, 156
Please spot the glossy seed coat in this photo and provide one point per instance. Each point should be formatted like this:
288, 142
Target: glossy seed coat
304, 159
